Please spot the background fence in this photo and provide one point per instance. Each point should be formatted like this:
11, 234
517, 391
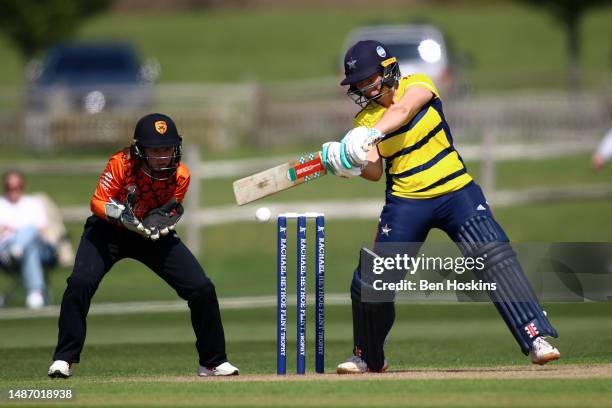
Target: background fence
222, 117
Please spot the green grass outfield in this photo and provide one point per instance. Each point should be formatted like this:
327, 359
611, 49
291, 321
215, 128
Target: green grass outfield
445, 354
513, 46
150, 360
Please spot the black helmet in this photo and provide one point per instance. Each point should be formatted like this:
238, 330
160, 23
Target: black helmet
364, 59
157, 130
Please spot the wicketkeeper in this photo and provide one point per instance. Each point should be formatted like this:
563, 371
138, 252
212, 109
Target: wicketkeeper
428, 186
136, 207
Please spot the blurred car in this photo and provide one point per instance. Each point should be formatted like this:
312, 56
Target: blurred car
91, 78
419, 48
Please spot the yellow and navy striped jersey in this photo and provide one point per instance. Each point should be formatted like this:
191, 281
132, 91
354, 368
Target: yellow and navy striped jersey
421, 161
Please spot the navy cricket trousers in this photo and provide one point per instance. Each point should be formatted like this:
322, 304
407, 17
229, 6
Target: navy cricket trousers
408, 221
405, 220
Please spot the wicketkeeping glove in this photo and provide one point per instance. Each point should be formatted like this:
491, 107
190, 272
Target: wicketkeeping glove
123, 213
162, 220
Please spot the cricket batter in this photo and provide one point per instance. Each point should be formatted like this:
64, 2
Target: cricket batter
428, 186
135, 208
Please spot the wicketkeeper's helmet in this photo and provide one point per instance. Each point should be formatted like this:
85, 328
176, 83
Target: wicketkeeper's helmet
157, 130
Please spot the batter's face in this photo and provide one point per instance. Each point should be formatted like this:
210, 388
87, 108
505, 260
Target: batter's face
371, 86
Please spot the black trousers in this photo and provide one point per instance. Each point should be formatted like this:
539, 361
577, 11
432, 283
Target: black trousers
103, 244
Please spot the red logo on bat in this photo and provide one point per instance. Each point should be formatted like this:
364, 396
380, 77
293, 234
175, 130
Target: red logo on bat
308, 168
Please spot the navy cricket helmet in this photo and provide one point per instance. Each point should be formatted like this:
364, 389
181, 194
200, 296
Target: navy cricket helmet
364, 59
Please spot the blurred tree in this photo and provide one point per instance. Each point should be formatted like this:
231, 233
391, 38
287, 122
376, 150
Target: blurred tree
569, 13
34, 25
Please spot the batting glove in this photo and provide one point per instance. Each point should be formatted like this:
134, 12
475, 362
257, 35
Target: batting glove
335, 160
357, 141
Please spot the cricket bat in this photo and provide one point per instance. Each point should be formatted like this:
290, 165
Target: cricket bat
306, 168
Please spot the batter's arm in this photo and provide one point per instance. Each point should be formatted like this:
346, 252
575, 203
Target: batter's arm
373, 171
400, 112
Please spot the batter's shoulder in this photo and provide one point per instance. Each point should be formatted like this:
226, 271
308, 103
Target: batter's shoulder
421, 80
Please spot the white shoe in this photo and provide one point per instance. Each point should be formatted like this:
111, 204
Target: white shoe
356, 365
35, 300
60, 369
542, 352
223, 369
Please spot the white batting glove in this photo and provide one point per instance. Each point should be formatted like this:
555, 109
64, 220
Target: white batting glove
334, 160
355, 141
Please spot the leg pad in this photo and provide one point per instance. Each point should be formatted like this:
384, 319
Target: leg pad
514, 297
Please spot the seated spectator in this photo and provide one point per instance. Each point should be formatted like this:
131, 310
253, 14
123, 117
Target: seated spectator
23, 224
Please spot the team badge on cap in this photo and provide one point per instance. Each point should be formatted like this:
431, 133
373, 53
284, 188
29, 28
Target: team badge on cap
381, 51
161, 126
